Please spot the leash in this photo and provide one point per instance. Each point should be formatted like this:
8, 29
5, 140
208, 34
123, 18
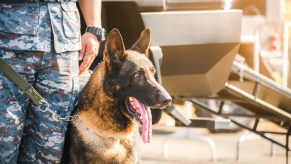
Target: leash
35, 97
38, 100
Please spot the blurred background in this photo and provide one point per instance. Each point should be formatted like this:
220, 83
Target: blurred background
226, 65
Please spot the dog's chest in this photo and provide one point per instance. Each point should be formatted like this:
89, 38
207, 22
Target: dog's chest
120, 149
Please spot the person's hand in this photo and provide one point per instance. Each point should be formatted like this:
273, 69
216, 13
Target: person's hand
88, 52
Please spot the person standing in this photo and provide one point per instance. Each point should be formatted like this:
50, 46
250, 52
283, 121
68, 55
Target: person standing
41, 40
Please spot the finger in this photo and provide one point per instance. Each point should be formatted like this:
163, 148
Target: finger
87, 61
84, 63
86, 55
82, 51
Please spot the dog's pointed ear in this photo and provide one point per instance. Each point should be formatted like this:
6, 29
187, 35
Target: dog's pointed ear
114, 50
142, 45
114, 42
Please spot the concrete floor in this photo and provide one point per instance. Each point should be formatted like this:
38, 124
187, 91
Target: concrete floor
193, 151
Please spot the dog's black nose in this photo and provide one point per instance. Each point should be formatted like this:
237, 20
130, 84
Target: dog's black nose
165, 99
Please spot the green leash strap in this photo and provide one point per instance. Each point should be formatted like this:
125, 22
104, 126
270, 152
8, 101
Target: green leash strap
21, 83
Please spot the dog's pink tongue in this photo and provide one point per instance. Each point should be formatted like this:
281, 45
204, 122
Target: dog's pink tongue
146, 120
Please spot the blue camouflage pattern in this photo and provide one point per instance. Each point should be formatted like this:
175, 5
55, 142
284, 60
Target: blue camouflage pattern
41, 41
41, 139
40, 26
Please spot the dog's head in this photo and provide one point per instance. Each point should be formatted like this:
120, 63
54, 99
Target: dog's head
131, 75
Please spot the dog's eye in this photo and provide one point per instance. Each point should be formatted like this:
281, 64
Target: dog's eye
138, 75
153, 71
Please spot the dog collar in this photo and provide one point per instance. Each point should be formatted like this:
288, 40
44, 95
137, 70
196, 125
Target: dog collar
77, 120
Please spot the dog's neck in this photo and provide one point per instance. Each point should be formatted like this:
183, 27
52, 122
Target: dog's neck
103, 119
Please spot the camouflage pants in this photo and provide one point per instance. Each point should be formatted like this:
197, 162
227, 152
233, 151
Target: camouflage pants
26, 134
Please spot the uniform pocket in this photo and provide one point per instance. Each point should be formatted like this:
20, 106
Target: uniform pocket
19, 19
71, 19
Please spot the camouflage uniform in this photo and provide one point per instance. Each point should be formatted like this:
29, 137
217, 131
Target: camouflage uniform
41, 41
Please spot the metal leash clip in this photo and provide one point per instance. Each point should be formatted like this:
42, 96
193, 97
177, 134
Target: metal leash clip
75, 119
44, 107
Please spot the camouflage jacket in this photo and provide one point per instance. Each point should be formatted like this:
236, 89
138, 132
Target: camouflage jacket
40, 26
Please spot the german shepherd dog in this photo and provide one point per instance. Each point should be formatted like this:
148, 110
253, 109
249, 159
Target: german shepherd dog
113, 104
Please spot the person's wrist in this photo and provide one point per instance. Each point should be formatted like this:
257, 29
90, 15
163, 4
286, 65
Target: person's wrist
90, 35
